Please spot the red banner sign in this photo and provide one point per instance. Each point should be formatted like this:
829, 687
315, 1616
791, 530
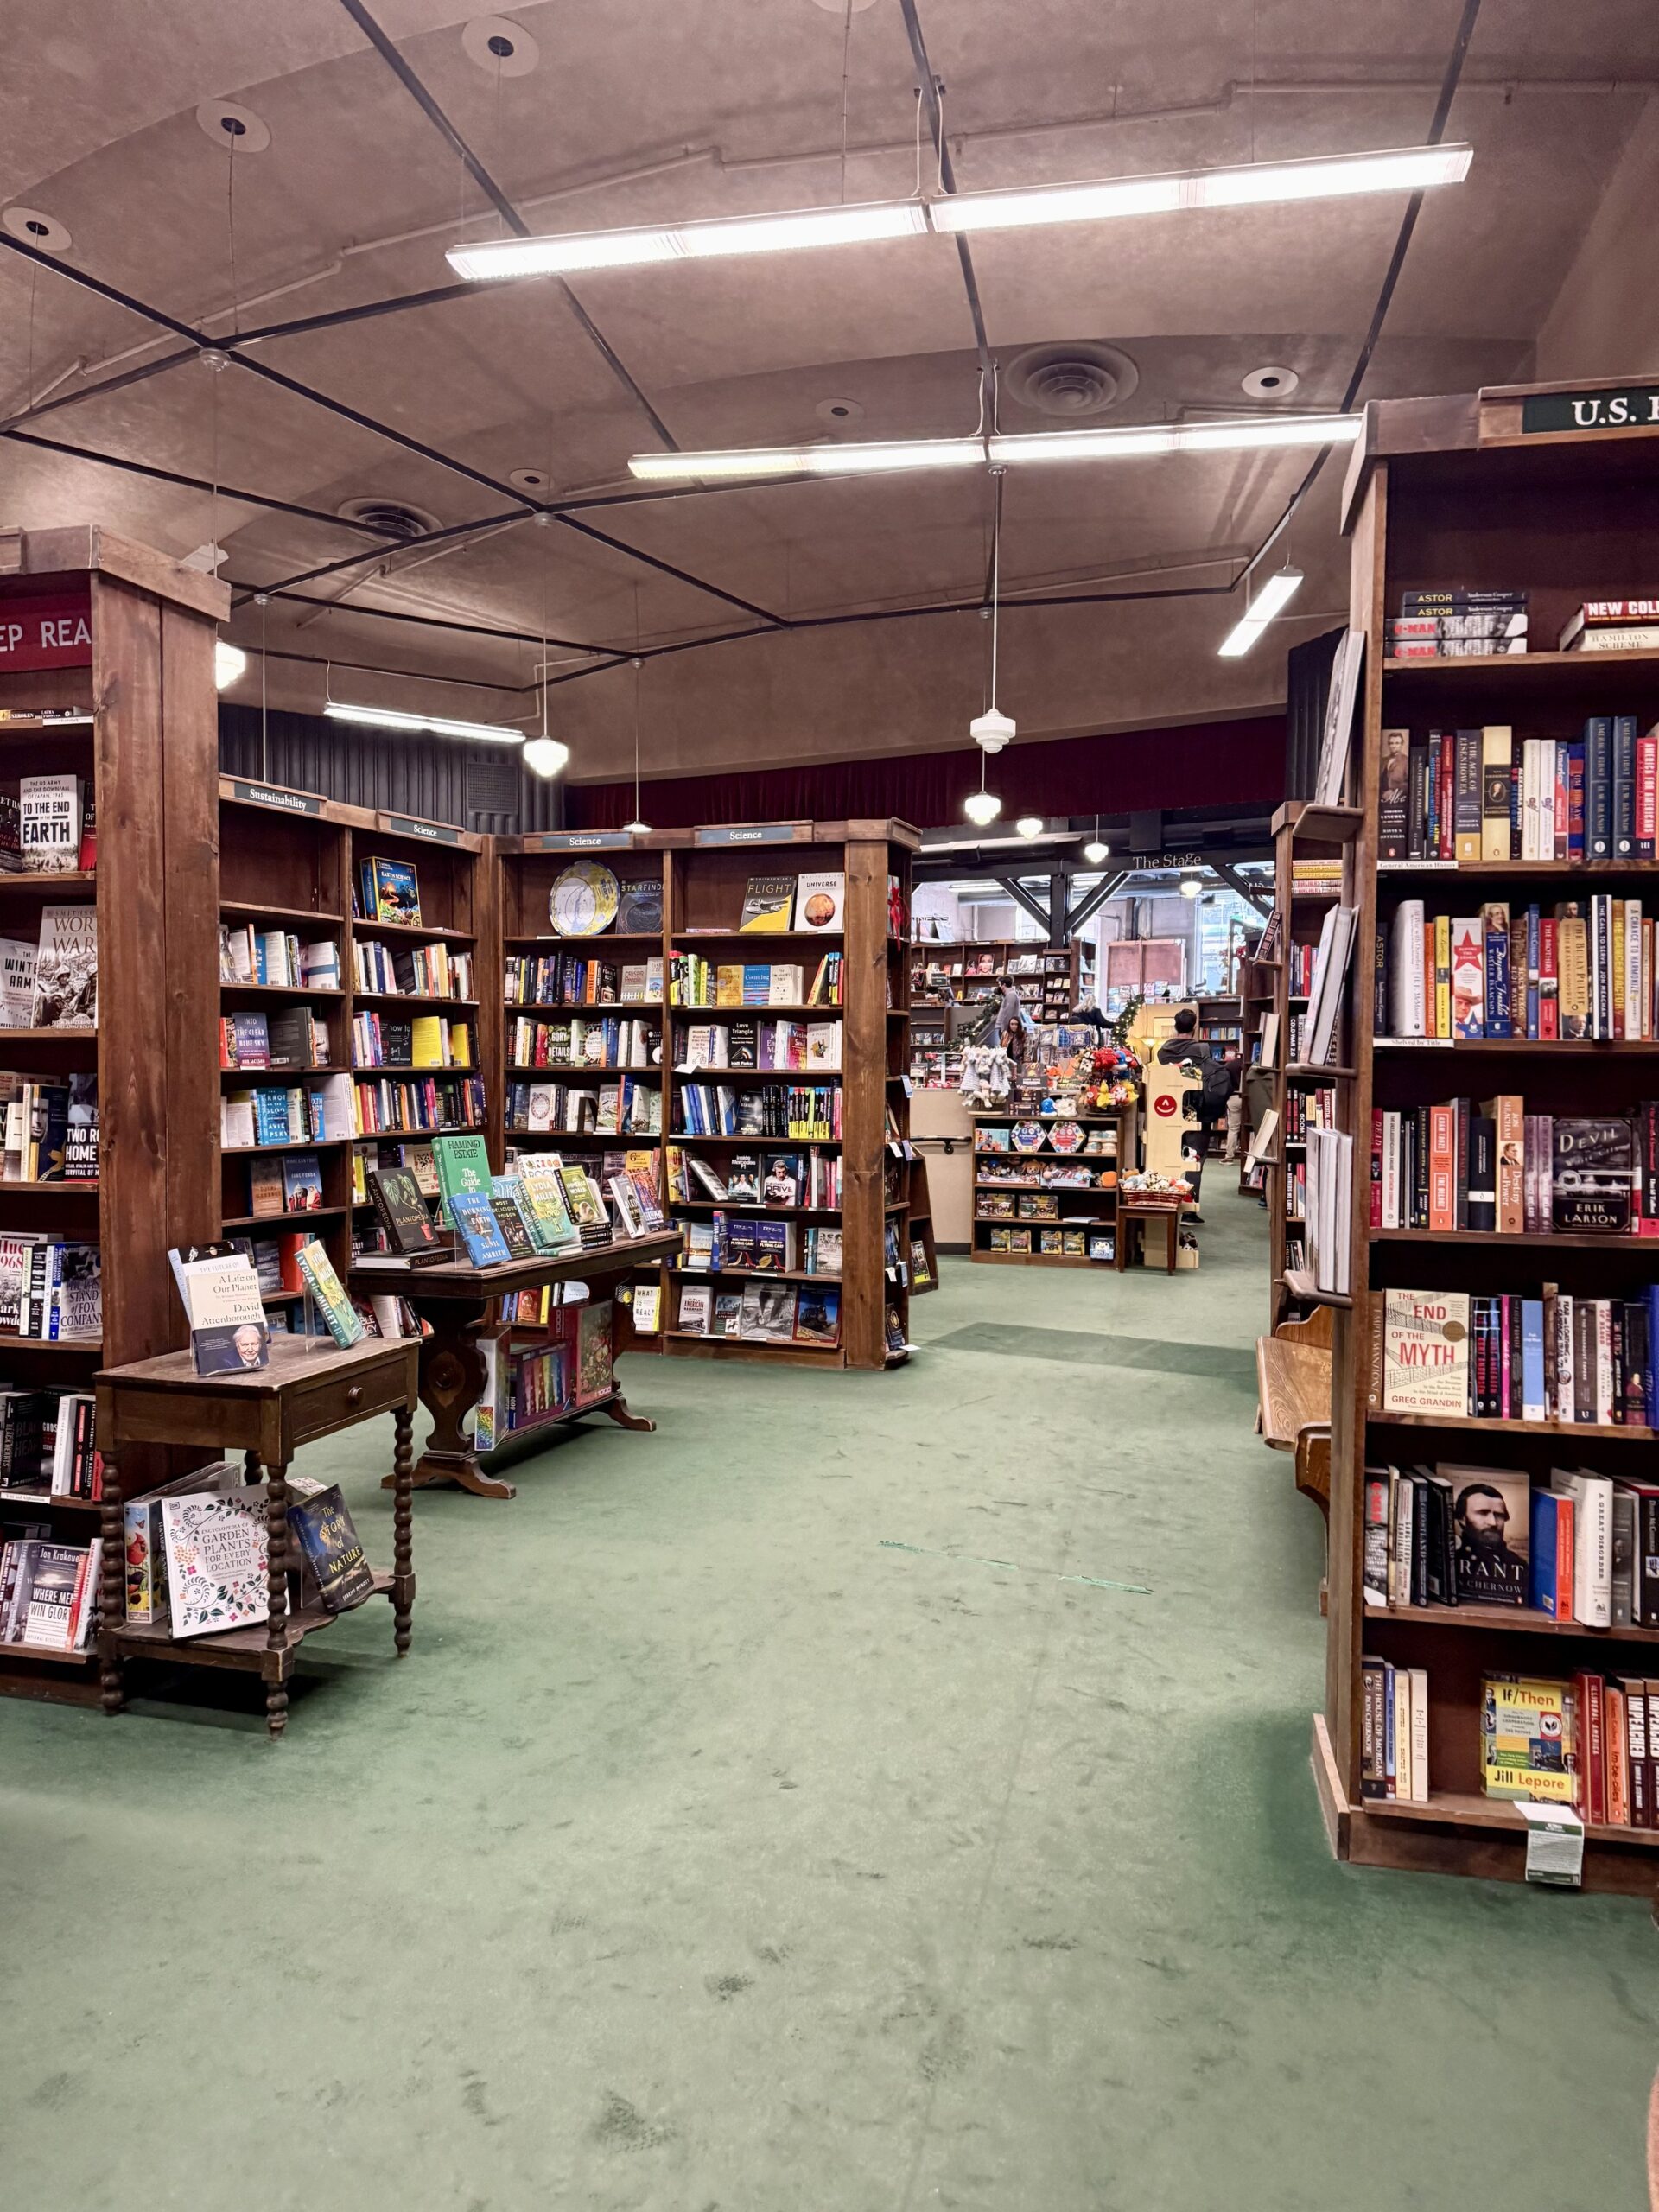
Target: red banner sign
55, 633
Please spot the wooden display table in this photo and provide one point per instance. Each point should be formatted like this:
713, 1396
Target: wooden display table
309, 1391
1148, 1211
455, 1300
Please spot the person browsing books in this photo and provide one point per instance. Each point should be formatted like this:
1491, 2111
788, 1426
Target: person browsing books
1208, 1104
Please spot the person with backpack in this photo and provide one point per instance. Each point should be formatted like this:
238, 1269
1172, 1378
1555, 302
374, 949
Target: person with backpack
1216, 1079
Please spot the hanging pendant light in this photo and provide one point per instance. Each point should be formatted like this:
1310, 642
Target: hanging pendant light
639, 827
993, 729
1096, 850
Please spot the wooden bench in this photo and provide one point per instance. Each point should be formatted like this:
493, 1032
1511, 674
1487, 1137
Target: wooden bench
1292, 1372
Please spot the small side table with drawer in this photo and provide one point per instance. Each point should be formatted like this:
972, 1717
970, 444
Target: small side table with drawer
307, 1392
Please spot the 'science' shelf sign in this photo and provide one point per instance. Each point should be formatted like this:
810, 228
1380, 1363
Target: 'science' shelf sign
1632, 407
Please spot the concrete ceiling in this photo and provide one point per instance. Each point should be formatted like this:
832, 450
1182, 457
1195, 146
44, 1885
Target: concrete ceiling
641, 110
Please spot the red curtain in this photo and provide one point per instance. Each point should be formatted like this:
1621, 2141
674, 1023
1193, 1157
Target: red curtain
1200, 764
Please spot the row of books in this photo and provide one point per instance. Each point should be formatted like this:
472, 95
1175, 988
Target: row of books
1317, 1037
417, 1102
296, 1037
556, 979
1299, 961
47, 1447
51, 1128
432, 971
763, 1313
1307, 1110
809, 1182
626, 1107
1582, 1548
287, 1114
1455, 625
50, 1288
528, 1384
782, 1045
197, 1556
1315, 879
429, 1040
1393, 1732
1026, 1205
1585, 969
1076, 1243
1558, 1358
48, 1593
1326, 1198
1490, 1165
612, 1041
745, 1244
52, 982
276, 958
809, 1110
1472, 795
695, 982
285, 1183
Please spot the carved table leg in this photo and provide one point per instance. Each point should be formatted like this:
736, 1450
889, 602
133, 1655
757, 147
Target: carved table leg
452, 1382
112, 1585
402, 1583
276, 1585
617, 1408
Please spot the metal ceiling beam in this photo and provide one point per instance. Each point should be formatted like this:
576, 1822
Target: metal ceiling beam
498, 199
128, 378
1246, 890
490, 635
385, 537
1092, 902
1021, 897
930, 88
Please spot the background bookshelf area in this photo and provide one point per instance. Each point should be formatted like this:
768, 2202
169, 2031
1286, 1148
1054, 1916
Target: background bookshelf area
1456, 497
366, 1017
124, 1106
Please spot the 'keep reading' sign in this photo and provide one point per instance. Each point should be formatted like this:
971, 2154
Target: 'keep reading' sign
55, 632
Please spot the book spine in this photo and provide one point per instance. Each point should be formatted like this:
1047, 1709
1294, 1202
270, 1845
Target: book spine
1598, 787
1623, 787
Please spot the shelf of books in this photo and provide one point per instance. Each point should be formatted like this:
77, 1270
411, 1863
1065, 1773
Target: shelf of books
1493, 1514
721, 1010
1046, 1191
351, 944
108, 747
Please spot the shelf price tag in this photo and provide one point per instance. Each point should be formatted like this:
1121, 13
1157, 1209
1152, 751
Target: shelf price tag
1554, 1844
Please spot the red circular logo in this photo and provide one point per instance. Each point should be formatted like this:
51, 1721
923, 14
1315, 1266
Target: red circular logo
1163, 1106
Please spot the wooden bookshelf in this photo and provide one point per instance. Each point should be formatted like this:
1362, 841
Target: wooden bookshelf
1111, 1127
1443, 494
146, 753
289, 860
703, 873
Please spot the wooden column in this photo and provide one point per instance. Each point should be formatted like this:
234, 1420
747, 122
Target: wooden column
864, 1059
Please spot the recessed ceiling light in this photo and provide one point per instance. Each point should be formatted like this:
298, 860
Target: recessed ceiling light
501, 48
227, 122
535, 481
1271, 383
838, 411
42, 232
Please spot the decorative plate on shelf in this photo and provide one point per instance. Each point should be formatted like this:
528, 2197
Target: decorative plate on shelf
1028, 1136
583, 899
1066, 1136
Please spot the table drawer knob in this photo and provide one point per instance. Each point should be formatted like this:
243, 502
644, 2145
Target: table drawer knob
354, 1396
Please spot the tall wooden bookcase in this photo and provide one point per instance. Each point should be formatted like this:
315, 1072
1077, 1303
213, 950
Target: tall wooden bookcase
1445, 494
704, 872
288, 860
145, 747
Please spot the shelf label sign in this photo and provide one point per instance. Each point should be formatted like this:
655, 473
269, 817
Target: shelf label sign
576, 840
267, 795
1632, 407
751, 833
436, 833
47, 632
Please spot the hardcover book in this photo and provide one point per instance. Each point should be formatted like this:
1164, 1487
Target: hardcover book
65, 969
463, 1164
49, 823
1594, 1161
401, 1209
322, 1526
474, 1215
16, 983
216, 1561
819, 901
317, 1271
594, 1379
817, 1315
1492, 1523
397, 891
640, 908
768, 905
1528, 1747
302, 1183
515, 1230
1426, 1352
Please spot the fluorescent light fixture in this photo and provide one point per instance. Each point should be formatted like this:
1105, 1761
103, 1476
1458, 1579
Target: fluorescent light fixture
229, 662
1093, 851
1030, 825
545, 756
981, 807
703, 241
339, 710
1137, 442
1335, 176
1132, 443
810, 461
1273, 595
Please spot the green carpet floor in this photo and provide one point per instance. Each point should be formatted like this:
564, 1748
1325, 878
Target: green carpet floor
867, 1793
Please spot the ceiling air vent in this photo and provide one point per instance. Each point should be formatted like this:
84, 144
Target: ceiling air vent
389, 517
1078, 378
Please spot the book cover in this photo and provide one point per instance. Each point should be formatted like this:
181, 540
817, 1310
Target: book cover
49, 823
401, 1209
65, 969
397, 891
145, 1561
17, 960
1394, 782
463, 1166
1495, 924
322, 1526
768, 905
1468, 977
583, 1196
216, 1561
1491, 1519
1572, 963
474, 1215
594, 1377
1426, 1352
640, 908
302, 1182
820, 901
1495, 778
540, 1178
818, 1314
328, 1294
694, 1312
1592, 1166
228, 1332
515, 1230
1527, 1746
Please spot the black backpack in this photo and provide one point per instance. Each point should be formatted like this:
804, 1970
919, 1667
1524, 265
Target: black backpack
1218, 1078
